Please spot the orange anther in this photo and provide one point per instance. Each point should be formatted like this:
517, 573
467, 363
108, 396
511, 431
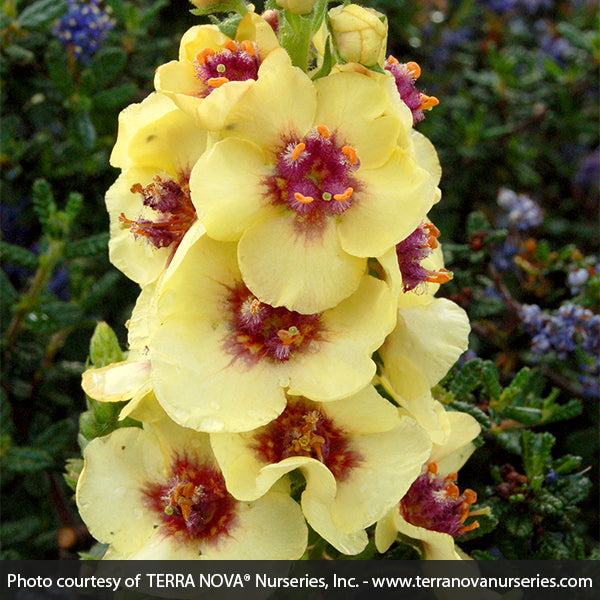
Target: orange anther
470, 496
286, 337
298, 150
230, 45
203, 55
428, 102
255, 306
323, 131
302, 198
345, 196
248, 46
441, 276
414, 69
216, 82
452, 490
433, 230
392, 60
470, 527
432, 242
350, 154
432, 468
451, 476
136, 188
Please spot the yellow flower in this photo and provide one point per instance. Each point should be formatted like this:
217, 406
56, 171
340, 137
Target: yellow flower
222, 360
434, 511
357, 455
214, 71
360, 34
300, 7
325, 186
157, 493
149, 205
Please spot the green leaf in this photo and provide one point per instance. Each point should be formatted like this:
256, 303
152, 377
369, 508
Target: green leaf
475, 412
487, 523
22, 459
519, 525
57, 67
489, 376
43, 201
90, 246
106, 66
41, 12
523, 414
57, 437
536, 448
115, 98
16, 532
18, 256
104, 346
83, 129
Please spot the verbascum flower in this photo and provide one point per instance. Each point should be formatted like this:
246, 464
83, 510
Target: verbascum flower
222, 360
158, 494
149, 205
324, 186
299, 7
357, 455
213, 71
434, 512
360, 34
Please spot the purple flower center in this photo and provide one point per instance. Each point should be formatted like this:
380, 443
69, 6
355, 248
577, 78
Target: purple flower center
260, 330
303, 430
237, 61
414, 249
175, 213
434, 502
314, 175
405, 76
193, 501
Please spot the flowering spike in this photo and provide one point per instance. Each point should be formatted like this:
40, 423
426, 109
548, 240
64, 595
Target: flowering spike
350, 154
345, 196
298, 150
303, 199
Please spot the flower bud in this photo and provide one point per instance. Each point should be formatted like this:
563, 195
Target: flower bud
299, 7
360, 34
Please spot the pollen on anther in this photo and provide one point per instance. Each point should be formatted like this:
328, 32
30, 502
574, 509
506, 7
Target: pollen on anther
203, 55
414, 69
392, 60
441, 276
248, 47
323, 131
230, 45
432, 468
428, 102
345, 196
350, 154
298, 150
216, 82
303, 199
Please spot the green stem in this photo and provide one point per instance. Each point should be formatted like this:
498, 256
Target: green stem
295, 37
46, 266
239, 6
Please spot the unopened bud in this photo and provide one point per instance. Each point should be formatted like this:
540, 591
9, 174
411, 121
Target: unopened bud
360, 34
299, 7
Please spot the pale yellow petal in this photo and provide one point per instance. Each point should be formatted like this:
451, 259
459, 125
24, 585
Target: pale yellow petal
117, 382
356, 107
436, 545
227, 188
306, 272
385, 531
392, 202
452, 455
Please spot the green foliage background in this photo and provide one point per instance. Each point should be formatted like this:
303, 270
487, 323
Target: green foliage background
513, 112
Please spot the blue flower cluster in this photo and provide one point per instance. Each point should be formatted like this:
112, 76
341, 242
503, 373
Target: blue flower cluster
84, 27
523, 212
571, 328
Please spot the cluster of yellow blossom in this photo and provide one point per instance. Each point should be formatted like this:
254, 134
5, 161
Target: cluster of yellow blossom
287, 329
